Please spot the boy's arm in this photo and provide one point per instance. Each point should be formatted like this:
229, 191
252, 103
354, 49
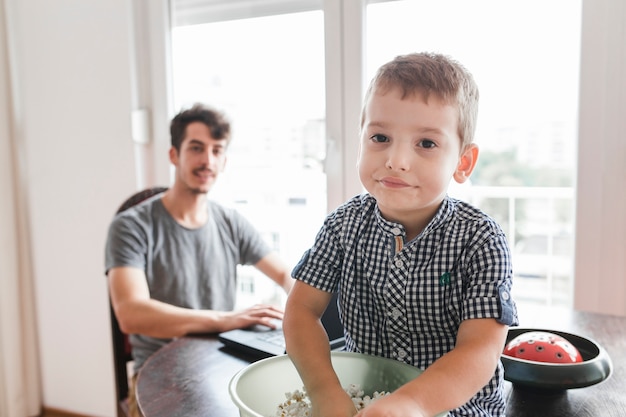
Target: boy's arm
309, 350
452, 379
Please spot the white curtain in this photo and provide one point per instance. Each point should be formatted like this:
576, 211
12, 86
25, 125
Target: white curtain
19, 379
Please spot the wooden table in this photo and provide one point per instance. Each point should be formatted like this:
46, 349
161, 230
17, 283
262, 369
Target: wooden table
190, 376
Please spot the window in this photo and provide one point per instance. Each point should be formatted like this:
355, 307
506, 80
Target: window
273, 64
270, 83
528, 76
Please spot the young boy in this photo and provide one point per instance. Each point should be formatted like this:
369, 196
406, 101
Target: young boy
421, 277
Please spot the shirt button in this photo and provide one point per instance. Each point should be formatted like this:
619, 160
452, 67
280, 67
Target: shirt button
395, 313
401, 353
396, 231
505, 296
399, 263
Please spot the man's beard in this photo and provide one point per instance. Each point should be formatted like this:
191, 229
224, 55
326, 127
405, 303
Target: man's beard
198, 191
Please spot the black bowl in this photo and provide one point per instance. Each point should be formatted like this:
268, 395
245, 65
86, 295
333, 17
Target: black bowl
595, 367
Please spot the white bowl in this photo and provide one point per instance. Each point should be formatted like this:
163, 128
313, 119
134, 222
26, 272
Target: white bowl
258, 389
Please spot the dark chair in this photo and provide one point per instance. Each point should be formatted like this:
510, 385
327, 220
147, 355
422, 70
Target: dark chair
121, 346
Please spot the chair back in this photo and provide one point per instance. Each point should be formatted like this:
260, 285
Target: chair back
122, 354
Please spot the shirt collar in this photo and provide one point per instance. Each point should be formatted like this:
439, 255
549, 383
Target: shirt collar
443, 214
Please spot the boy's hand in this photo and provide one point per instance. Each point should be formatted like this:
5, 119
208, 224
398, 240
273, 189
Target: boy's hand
392, 405
333, 404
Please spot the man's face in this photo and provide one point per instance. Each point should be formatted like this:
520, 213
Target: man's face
200, 160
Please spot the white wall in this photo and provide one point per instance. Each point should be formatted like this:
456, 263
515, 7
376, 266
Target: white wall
13, 376
72, 123
600, 256
72, 120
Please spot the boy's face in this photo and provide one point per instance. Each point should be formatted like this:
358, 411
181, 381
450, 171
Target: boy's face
409, 151
201, 158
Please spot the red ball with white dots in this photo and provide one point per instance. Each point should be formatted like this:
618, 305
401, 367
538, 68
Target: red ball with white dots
542, 347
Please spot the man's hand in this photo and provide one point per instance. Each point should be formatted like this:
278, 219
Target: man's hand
264, 314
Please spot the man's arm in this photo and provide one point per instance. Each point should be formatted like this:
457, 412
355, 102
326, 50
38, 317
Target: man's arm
137, 313
272, 266
452, 379
309, 350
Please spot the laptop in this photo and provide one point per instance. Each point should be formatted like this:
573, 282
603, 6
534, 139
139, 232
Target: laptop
263, 342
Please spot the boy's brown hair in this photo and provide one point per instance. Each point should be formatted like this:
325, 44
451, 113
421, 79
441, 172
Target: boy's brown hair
430, 73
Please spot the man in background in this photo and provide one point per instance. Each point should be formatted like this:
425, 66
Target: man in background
171, 260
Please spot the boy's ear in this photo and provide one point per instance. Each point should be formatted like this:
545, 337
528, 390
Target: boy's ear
467, 162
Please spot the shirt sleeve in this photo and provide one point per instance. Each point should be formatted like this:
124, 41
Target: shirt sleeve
490, 281
252, 246
320, 266
126, 243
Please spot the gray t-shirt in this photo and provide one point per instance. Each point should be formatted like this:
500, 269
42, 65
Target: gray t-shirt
191, 268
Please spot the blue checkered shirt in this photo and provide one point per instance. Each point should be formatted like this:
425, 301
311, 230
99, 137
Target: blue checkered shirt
406, 300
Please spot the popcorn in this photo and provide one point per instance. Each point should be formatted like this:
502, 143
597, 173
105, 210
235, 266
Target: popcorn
299, 405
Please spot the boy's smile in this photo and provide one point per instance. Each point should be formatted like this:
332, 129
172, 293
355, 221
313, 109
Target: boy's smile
393, 182
410, 149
